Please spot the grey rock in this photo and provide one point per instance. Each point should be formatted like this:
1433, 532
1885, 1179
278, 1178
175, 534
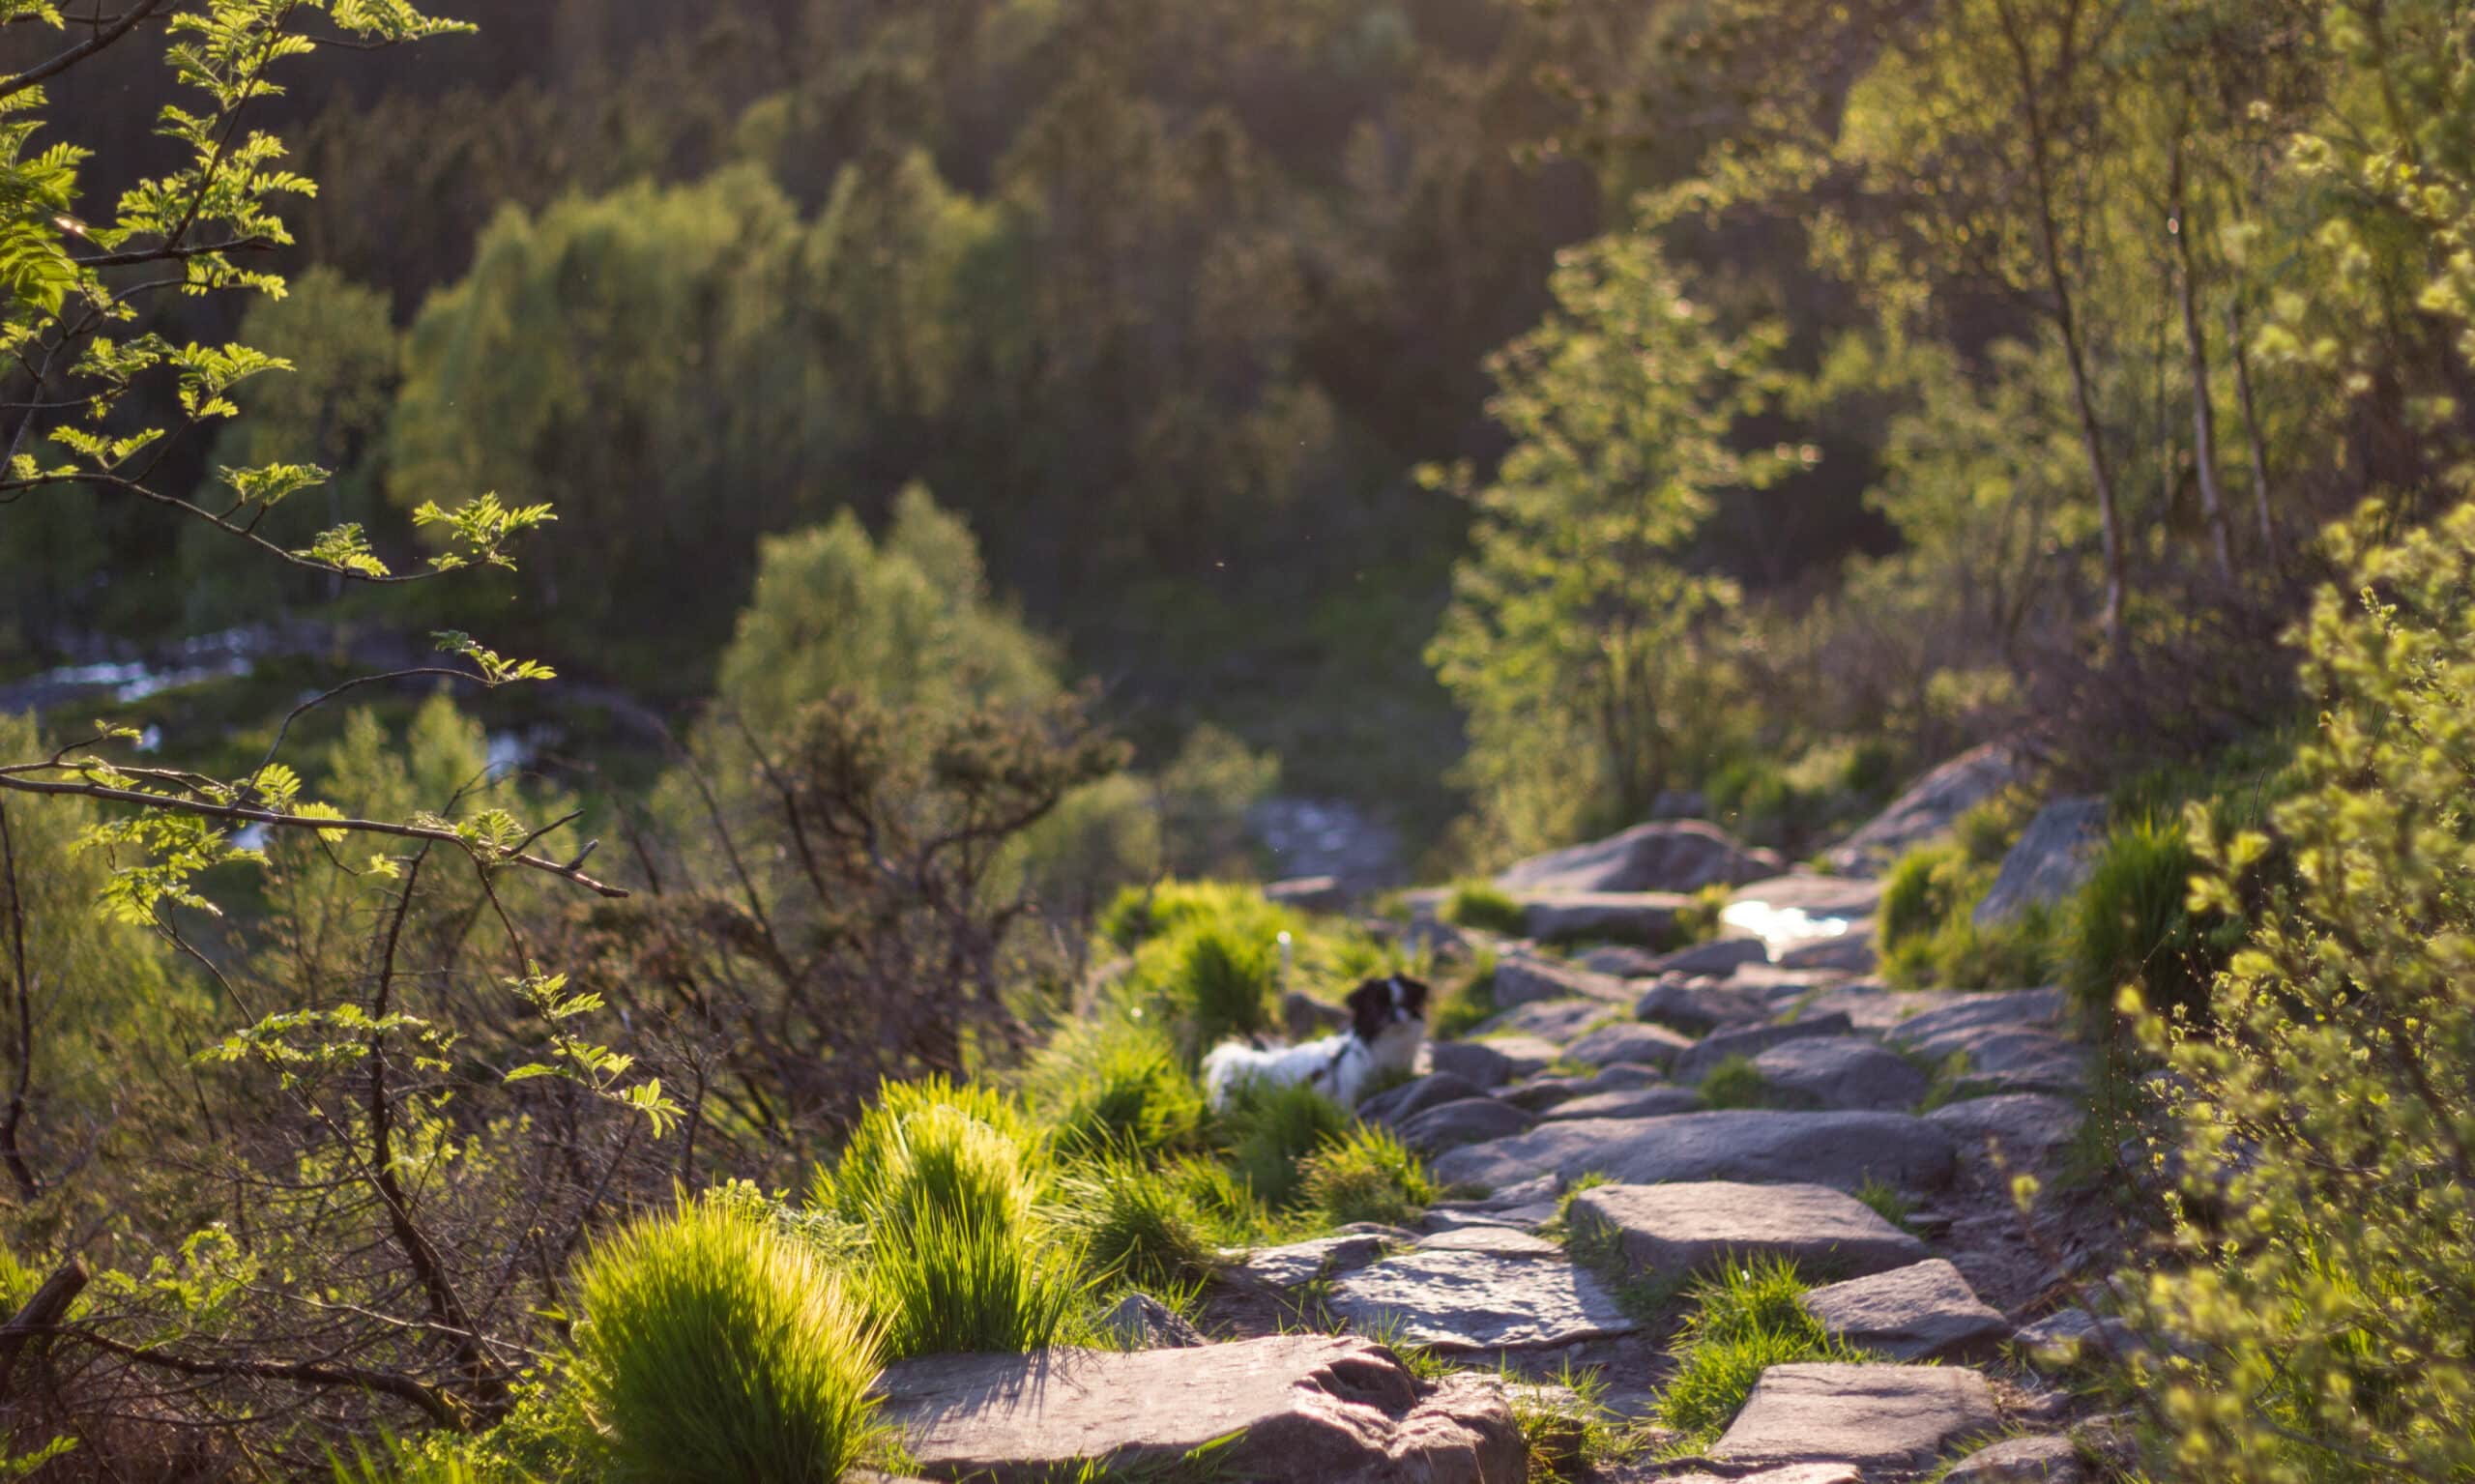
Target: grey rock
1875, 1416
2068, 1337
1525, 1056
1616, 917
1638, 1103
1690, 1227
2019, 1131
1141, 1321
1522, 978
1472, 1062
2022, 1061
1715, 959
1643, 1045
2052, 858
1750, 1042
1876, 1009
1815, 896
1471, 1121
1297, 1405
1305, 1017
1792, 1474
1840, 1150
1922, 1312
1670, 855
1554, 1020
1410, 1098
1840, 1071
1299, 1264
1932, 806
1850, 952
1483, 1299
1545, 1092
1960, 1024
1696, 1008
1623, 960
2046, 1459
1502, 1239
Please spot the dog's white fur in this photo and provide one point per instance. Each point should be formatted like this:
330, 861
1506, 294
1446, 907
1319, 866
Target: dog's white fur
1341, 1066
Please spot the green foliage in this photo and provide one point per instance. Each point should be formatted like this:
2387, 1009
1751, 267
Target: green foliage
1140, 914
1489, 908
1271, 1130
1139, 1226
2133, 927
1214, 978
1467, 1004
2317, 1298
1116, 1083
1885, 1201
1928, 930
876, 1163
712, 1346
1919, 893
1748, 1316
1735, 1083
1367, 1175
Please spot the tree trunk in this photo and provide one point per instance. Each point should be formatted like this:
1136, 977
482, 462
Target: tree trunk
2195, 348
2251, 417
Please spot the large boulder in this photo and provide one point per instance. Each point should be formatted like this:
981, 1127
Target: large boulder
2052, 858
1925, 1311
1471, 1121
1697, 1007
1875, 1416
1615, 917
1628, 1040
1295, 1406
1751, 1042
1689, 1227
1840, 1071
1479, 1287
1472, 1062
1839, 1149
1671, 855
1932, 805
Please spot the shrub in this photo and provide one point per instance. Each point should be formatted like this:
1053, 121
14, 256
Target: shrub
1917, 894
2133, 926
1748, 1318
864, 1180
1469, 1005
1116, 1083
1273, 1128
1485, 907
2320, 1320
1367, 1175
1735, 1083
1138, 1226
713, 1347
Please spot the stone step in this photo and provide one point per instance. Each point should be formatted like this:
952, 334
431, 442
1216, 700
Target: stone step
1874, 1416
1678, 1229
1761, 1145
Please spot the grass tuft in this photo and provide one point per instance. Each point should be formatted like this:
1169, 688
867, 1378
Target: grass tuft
1485, 907
1139, 1226
1367, 1175
1748, 1318
1885, 1201
1735, 1083
1272, 1129
1116, 1084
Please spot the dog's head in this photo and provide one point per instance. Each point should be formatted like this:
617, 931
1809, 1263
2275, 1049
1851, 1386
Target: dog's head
1397, 1005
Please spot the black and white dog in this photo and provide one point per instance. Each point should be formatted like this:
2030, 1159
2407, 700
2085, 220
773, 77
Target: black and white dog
1387, 1024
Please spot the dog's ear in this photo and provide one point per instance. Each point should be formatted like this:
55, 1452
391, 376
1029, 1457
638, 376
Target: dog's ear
1370, 1008
1413, 995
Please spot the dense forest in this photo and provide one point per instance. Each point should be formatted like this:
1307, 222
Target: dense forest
653, 658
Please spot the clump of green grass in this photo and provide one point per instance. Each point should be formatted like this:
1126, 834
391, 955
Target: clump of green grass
1138, 1226
1748, 1316
1485, 907
1918, 894
713, 1347
1367, 1175
1735, 1083
1139, 914
1116, 1083
1469, 1005
1271, 1130
1698, 920
1885, 1201
946, 1186
2131, 925
1212, 978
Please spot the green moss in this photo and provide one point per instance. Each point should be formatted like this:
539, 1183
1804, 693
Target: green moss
1480, 905
1735, 1083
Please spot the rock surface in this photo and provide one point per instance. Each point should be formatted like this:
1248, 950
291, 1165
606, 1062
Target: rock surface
1141, 1321
1554, 1020
1631, 1041
1672, 856
1470, 1120
1875, 1416
1301, 1407
1689, 1227
1476, 1062
1480, 1288
1635, 1103
1524, 977
1299, 1264
2022, 1460
1622, 916
2022, 1131
1840, 1150
2053, 856
1929, 807
1546, 1091
1697, 1008
1750, 1042
1840, 1071
1410, 1098
1715, 959
1922, 1312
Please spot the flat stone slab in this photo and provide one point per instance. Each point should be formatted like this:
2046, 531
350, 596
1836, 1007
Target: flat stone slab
1490, 1298
1523, 978
1666, 855
1299, 1264
1793, 1473
1715, 959
1925, 1311
1543, 1093
1410, 1098
1931, 805
1472, 1062
1301, 1407
1622, 916
1524, 1056
1634, 1103
1697, 1008
1629, 1041
1690, 1227
1840, 1071
2048, 1460
1550, 1020
2017, 1131
1875, 1416
1839, 1149
1850, 952
1750, 1042
1470, 1120
1958, 1024
1876, 1009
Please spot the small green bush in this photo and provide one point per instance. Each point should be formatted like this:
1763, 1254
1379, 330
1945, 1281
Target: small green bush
1367, 1175
862, 1183
1735, 1083
1271, 1130
1466, 1006
2132, 927
1139, 914
1138, 1226
1748, 1316
713, 1348
1487, 908
1917, 894
1116, 1083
